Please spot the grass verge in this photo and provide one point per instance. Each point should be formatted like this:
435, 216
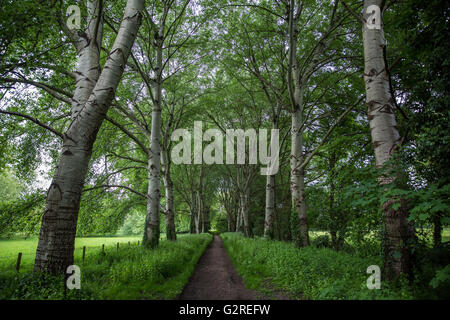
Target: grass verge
307, 273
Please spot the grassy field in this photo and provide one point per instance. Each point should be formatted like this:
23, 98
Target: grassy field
131, 273
10, 248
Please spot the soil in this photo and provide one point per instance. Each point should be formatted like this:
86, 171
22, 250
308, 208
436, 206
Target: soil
215, 278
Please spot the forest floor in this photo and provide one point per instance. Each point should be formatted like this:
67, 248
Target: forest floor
215, 278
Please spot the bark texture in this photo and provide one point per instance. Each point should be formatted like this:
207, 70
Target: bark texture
57, 235
244, 210
269, 219
296, 95
244, 177
152, 231
270, 207
298, 177
168, 188
385, 139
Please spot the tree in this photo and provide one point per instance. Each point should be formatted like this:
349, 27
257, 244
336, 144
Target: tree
385, 138
93, 95
417, 31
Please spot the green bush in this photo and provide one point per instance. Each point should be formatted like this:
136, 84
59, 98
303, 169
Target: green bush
321, 241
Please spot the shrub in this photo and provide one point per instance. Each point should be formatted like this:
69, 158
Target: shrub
321, 241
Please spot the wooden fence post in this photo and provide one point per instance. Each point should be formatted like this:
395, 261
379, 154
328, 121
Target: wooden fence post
84, 252
117, 246
19, 258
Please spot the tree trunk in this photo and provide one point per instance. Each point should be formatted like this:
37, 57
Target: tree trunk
385, 138
296, 96
270, 207
230, 218
198, 215
270, 200
57, 235
88, 64
298, 176
168, 186
238, 218
206, 213
193, 212
152, 231
437, 232
192, 223
333, 216
244, 208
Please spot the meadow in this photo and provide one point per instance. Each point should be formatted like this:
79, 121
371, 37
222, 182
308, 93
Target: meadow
9, 249
130, 273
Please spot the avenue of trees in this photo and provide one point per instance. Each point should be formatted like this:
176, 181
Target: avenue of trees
357, 89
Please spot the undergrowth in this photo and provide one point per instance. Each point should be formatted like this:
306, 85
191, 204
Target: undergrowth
312, 272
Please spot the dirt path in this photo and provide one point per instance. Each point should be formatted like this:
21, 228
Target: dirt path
215, 278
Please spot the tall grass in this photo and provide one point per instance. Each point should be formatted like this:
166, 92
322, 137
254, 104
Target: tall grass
307, 273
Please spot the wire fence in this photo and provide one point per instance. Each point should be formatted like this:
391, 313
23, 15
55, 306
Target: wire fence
25, 259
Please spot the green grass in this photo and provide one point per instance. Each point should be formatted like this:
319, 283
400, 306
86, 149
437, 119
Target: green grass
446, 235
9, 249
307, 273
133, 272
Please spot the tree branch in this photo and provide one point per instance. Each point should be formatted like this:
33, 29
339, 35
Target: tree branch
128, 158
128, 133
54, 92
327, 134
35, 120
106, 186
358, 18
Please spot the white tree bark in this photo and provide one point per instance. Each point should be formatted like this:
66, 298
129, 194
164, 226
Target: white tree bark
152, 230
57, 236
385, 139
168, 194
383, 125
297, 176
270, 207
88, 52
296, 92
